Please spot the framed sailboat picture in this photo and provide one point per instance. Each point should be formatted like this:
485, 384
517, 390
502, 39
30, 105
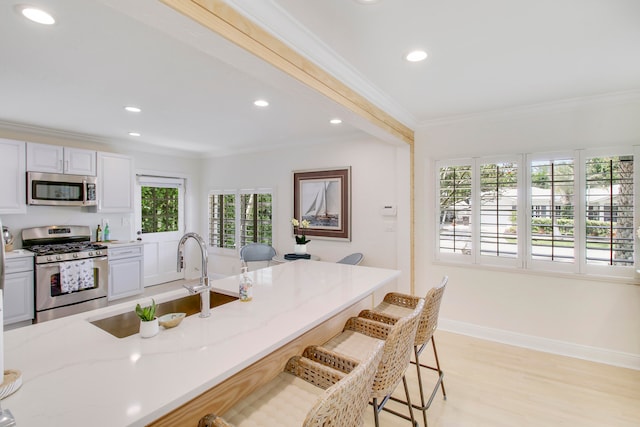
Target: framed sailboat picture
323, 197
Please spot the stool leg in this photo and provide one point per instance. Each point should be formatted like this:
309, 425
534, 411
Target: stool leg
409, 405
375, 412
422, 405
440, 373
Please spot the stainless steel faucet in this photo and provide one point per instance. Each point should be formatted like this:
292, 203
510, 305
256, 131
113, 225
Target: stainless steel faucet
203, 287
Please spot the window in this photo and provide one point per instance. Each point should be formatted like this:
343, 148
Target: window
222, 220
571, 212
498, 209
455, 209
161, 204
240, 216
255, 218
609, 199
551, 235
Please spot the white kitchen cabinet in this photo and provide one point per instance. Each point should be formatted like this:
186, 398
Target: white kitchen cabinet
115, 183
56, 159
18, 290
12, 177
126, 267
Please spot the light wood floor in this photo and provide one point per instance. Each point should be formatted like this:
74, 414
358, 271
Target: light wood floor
496, 385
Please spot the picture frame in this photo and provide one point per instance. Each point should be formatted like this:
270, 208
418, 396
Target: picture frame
323, 197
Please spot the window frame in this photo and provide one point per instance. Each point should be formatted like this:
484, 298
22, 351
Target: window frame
151, 180
613, 270
517, 261
550, 265
222, 249
238, 193
524, 259
447, 256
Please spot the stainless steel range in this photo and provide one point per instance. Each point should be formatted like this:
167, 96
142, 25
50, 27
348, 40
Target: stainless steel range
71, 272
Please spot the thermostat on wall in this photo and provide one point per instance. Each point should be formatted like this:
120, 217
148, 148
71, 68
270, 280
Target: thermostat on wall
388, 210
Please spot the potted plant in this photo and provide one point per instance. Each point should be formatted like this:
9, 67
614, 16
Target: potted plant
149, 325
301, 241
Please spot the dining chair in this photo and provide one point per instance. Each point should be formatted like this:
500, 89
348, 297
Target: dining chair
360, 335
307, 394
352, 259
257, 252
394, 306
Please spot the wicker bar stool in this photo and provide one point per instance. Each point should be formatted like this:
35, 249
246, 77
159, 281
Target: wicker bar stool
307, 394
357, 340
396, 305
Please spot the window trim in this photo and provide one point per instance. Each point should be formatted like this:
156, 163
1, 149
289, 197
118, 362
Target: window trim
548, 265
237, 238
524, 261
217, 249
445, 256
516, 262
147, 179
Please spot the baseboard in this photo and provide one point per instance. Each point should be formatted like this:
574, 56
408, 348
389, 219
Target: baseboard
594, 354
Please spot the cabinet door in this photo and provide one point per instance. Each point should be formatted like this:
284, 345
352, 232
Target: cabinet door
125, 278
79, 162
115, 183
12, 177
18, 297
45, 158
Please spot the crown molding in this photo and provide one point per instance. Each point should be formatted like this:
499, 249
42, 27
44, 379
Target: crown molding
43, 134
607, 99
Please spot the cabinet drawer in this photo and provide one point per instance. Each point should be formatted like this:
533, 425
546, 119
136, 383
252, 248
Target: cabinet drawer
16, 265
125, 252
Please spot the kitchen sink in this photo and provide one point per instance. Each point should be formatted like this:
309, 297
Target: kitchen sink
126, 324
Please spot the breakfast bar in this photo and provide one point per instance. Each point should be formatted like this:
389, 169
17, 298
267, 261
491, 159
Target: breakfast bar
76, 374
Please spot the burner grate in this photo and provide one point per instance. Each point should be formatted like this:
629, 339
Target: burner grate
65, 248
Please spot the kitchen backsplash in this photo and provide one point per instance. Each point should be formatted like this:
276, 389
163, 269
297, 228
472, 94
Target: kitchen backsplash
121, 225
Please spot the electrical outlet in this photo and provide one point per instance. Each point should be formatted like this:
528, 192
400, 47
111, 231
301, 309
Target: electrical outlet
125, 221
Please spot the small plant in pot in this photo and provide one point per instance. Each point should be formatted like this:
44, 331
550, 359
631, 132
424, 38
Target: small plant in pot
148, 321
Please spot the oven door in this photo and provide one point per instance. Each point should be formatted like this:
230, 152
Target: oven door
52, 293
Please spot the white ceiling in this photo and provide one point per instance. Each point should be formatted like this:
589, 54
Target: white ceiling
196, 90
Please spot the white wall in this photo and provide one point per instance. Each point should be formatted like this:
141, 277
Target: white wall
379, 176
593, 319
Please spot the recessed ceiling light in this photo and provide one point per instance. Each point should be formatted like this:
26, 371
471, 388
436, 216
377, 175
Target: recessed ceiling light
261, 103
416, 56
335, 121
132, 109
134, 133
37, 15
367, 1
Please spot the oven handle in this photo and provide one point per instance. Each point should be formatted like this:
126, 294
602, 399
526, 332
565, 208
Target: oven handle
57, 264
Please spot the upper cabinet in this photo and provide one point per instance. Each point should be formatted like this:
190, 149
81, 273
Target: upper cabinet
12, 177
115, 183
55, 159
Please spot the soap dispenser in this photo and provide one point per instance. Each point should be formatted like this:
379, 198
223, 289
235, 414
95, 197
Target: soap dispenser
246, 284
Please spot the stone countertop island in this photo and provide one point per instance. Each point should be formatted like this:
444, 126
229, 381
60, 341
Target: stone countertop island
75, 374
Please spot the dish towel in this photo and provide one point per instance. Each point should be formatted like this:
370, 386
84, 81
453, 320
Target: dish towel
76, 275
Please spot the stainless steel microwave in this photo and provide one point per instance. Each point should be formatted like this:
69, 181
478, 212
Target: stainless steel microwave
54, 189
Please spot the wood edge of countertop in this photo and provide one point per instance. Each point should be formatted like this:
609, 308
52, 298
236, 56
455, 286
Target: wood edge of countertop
223, 396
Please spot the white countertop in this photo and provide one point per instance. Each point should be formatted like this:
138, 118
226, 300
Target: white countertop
75, 374
18, 253
120, 243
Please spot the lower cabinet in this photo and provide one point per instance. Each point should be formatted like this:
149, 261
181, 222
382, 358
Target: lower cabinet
126, 268
18, 290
